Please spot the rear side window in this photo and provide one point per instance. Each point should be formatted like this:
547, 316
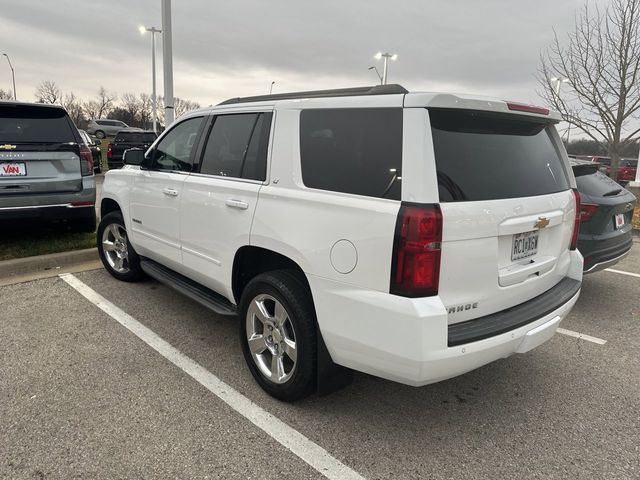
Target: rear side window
484, 156
356, 151
237, 146
135, 137
27, 124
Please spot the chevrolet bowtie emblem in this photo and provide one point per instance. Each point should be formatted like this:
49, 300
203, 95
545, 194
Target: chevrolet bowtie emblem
541, 222
7, 146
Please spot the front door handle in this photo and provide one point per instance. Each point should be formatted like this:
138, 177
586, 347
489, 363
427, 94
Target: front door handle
170, 192
236, 204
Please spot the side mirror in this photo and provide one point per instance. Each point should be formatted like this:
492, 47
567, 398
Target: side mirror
133, 156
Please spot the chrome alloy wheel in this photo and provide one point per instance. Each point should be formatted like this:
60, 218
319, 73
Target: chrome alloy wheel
271, 338
114, 245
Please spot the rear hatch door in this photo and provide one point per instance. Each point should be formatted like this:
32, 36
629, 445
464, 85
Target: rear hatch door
38, 151
507, 206
607, 206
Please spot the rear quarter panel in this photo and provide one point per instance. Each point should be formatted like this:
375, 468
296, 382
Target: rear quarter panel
306, 225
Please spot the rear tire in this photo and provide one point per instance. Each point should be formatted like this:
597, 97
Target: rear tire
278, 335
117, 255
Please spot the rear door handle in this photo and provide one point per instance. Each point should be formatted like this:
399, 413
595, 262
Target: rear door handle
239, 204
170, 192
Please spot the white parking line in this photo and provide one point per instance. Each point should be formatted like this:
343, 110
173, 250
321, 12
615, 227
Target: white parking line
622, 272
316, 456
581, 336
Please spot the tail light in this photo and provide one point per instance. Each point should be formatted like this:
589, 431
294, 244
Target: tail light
587, 211
110, 151
576, 222
415, 267
86, 161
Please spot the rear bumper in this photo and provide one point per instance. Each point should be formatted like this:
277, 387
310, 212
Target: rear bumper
603, 251
115, 163
51, 207
408, 340
48, 213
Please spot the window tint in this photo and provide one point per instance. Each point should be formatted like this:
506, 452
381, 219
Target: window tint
174, 150
355, 151
484, 156
135, 137
102, 122
27, 124
237, 146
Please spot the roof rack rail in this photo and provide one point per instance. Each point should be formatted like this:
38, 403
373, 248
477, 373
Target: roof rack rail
339, 92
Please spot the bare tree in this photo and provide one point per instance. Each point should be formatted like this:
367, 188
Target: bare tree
6, 94
131, 103
74, 108
146, 106
105, 101
601, 61
48, 92
182, 106
101, 105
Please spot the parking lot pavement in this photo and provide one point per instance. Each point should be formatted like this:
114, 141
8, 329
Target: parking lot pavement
83, 396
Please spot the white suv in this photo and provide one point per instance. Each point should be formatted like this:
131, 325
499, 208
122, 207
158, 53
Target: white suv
412, 236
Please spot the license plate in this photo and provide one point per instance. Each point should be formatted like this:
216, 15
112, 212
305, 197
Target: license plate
524, 245
619, 220
13, 169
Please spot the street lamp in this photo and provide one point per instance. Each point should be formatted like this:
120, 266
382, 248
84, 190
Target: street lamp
271, 88
386, 57
558, 81
153, 31
13, 76
377, 73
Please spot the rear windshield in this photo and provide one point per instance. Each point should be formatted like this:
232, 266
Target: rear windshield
136, 137
28, 124
484, 156
626, 162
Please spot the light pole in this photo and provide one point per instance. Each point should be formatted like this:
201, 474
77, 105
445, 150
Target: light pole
271, 87
377, 73
167, 63
13, 76
154, 101
386, 57
558, 82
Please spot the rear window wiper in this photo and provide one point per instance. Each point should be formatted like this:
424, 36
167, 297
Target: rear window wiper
612, 193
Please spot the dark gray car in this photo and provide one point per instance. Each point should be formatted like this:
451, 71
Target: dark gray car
605, 220
46, 170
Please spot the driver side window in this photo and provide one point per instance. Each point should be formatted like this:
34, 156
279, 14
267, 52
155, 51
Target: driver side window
173, 153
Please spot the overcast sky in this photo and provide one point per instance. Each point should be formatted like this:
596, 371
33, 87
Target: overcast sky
225, 49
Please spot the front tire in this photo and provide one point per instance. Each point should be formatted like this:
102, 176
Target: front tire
115, 250
100, 134
278, 335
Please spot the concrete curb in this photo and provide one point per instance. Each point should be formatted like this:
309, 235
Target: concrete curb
39, 263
